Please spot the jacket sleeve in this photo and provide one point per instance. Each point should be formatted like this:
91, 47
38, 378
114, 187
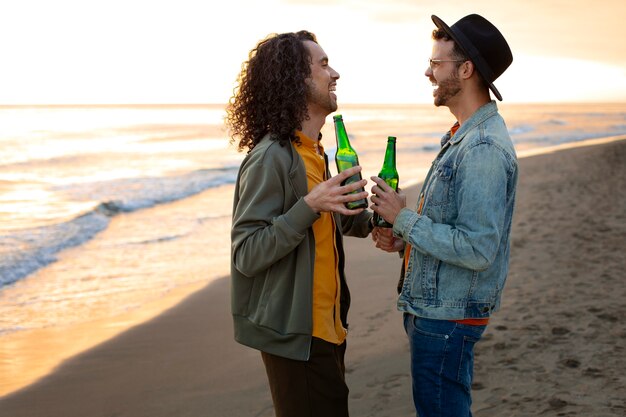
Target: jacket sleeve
358, 225
472, 241
262, 231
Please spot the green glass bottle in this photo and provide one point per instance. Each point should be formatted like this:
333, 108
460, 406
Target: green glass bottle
346, 158
389, 174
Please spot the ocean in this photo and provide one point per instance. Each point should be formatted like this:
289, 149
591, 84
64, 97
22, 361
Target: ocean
104, 209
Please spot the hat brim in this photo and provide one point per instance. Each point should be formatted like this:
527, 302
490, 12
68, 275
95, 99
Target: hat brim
469, 51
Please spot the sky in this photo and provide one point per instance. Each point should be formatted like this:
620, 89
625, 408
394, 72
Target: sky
186, 51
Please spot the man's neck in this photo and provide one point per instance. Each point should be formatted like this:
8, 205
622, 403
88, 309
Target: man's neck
468, 105
313, 126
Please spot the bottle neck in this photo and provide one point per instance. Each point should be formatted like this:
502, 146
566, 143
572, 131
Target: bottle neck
390, 155
342, 136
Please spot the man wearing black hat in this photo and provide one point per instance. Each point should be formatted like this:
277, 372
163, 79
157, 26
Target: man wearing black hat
456, 242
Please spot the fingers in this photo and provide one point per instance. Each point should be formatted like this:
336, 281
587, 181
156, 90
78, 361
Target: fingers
387, 247
346, 198
330, 195
381, 185
375, 233
385, 231
342, 176
385, 240
380, 233
343, 210
348, 188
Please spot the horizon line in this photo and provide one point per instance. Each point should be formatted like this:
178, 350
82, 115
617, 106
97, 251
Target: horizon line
195, 104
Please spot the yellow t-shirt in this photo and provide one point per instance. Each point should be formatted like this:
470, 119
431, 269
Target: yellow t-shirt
326, 286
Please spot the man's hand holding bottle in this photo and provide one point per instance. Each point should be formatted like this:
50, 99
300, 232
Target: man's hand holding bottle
330, 195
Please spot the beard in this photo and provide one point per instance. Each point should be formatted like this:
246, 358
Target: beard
448, 88
320, 99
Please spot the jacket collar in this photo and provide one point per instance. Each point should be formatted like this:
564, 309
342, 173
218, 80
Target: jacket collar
297, 170
479, 116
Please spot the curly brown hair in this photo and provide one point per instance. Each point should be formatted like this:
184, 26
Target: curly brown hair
271, 92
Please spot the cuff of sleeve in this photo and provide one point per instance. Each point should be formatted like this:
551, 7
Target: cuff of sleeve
370, 223
405, 220
301, 216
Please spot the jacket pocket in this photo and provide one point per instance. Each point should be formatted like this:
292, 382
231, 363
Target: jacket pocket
441, 185
426, 284
261, 289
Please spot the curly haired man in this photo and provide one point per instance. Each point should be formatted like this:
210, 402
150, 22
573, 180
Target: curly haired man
289, 293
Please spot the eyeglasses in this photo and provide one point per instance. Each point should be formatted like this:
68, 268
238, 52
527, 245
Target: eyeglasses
432, 63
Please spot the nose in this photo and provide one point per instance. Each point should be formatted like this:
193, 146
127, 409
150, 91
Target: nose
429, 72
334, 73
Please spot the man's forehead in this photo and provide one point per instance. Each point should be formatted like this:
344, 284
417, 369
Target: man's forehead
443, 46
316, 51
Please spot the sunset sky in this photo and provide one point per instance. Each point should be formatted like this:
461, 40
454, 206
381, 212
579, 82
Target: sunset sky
184, 51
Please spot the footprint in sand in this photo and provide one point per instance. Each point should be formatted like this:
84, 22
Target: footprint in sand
560, 331
571, 363
556, 403
593, 373
477, 386
608, 317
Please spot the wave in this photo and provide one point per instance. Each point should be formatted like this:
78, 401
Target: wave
130, 194
26, 251
23, 252
550, 139
520, 129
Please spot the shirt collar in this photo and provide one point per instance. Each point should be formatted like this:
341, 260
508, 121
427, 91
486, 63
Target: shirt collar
309, 143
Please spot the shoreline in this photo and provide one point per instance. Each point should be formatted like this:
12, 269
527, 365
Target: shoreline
527, 153
212, 372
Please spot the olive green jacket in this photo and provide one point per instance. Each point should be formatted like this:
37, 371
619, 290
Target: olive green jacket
273, 252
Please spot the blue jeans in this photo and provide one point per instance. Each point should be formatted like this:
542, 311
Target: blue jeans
442, 363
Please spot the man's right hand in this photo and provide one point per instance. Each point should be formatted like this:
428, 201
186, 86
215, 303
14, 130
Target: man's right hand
385, 240
330, 195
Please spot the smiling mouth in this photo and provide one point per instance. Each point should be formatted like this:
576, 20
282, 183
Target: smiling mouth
332, 91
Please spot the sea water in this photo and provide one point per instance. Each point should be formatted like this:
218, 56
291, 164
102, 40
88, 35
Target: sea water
106, 208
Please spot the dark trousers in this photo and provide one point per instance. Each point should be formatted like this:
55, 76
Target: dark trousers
313, 388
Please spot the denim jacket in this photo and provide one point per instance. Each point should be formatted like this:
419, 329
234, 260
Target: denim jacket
460, 242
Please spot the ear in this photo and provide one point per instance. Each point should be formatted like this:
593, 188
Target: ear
466, 70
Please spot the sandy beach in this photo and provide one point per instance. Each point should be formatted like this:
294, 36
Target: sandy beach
556, 348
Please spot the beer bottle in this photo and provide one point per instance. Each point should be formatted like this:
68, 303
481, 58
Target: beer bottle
346, 158
389, 174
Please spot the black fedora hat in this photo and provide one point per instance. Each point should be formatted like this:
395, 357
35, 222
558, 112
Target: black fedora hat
483, 44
